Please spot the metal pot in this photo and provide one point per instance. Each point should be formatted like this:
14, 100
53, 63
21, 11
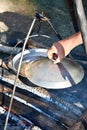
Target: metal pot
38, 69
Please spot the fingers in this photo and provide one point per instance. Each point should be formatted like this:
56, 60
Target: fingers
58, 50
50, 53
57, 60
53, 56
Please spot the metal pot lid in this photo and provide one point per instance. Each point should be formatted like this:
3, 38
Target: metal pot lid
44, 73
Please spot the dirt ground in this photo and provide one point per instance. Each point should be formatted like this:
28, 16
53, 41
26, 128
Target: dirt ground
17, 17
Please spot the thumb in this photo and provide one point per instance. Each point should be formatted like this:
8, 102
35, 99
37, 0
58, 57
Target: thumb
57, 60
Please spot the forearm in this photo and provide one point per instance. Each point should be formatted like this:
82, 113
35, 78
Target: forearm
63, 47
75, 40
71, 42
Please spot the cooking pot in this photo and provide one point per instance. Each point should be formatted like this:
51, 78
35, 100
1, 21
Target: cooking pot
41, 71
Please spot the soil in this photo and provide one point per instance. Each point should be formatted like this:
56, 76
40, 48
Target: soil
16, 18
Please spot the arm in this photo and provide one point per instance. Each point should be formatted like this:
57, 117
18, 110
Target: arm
63, 47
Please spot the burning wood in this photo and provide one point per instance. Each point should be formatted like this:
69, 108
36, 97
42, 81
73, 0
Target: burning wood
15, 50
38, 100
16, 121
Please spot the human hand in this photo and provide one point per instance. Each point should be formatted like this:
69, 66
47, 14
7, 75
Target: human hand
57, 50
63, 47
